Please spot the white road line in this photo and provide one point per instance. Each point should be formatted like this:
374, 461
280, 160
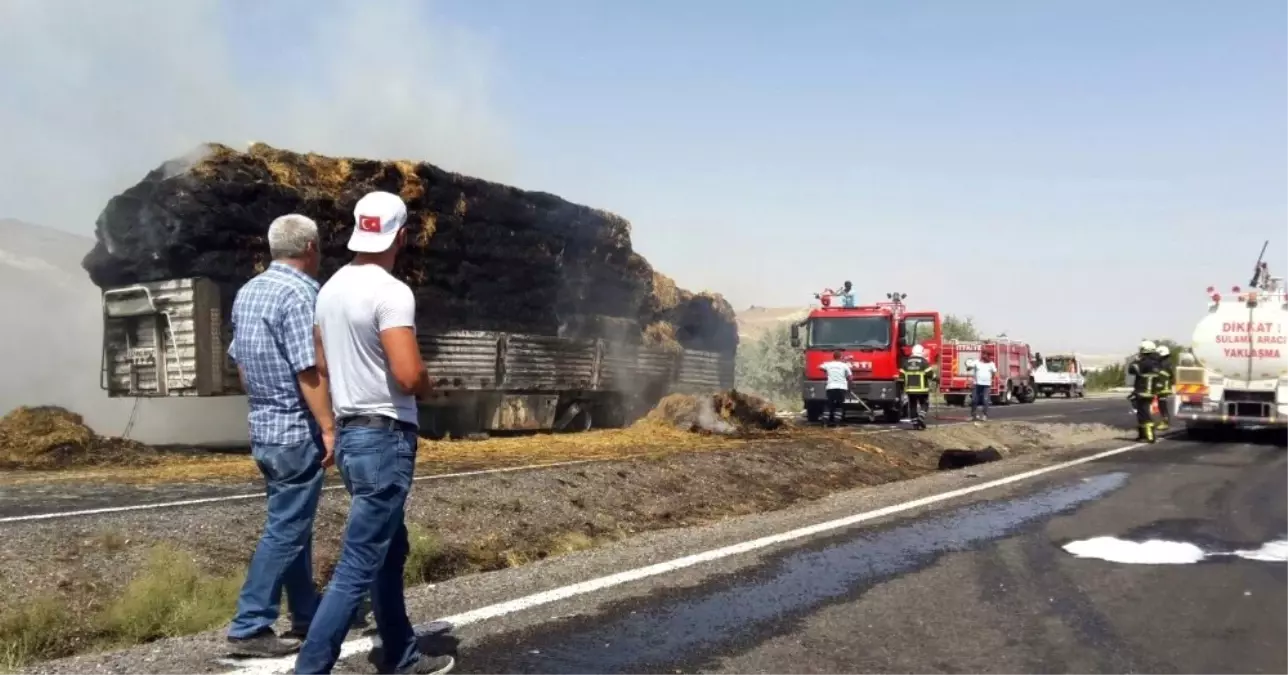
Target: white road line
361, 645
260, 495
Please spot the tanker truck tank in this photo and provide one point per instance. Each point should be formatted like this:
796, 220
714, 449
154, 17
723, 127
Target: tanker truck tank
1238, 376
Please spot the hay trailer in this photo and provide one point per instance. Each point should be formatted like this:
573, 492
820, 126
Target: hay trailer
170, 339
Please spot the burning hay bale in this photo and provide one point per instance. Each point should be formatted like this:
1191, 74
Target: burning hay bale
481, 256
49, 437
728, 412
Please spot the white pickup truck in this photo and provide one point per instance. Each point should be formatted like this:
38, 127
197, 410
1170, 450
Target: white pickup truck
1060, 374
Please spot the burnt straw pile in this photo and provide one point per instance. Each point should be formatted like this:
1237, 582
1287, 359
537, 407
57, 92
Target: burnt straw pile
726, 412
482, 256
49, 437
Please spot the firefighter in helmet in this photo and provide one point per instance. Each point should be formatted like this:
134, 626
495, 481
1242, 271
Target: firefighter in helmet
915, 374
1144, 371
1163, 388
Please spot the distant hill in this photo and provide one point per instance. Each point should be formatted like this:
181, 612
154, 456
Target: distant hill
52, 340
754, 321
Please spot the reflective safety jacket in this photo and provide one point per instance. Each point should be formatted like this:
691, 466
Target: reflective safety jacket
1146, 375
1163, 384
916, 375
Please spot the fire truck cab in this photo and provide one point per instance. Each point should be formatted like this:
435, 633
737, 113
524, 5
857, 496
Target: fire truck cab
873, 339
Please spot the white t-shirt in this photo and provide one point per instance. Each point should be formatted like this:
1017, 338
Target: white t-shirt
984, 372
837, 372
353, 307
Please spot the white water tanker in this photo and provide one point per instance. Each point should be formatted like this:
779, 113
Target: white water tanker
1237, 372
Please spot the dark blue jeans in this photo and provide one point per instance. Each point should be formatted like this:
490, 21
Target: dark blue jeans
377, 467
284, 558
982, 397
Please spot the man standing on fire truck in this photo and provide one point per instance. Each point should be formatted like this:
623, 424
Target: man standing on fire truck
915, 373
1144, 371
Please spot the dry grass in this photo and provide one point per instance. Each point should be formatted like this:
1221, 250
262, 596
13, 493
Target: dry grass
170, 595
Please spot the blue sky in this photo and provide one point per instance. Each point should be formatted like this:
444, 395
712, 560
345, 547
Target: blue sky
1005, 160
999, 159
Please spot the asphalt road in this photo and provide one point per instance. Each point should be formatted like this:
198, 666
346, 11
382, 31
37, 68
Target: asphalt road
954, 571
27, 499
983, 586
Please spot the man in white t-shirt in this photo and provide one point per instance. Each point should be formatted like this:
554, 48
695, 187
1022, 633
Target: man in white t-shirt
838, 374
365, 319
984, 370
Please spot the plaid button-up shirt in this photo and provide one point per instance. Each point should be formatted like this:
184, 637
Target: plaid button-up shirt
273, 342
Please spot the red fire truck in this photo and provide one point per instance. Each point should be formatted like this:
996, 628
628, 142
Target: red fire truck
1013, 381
872, 338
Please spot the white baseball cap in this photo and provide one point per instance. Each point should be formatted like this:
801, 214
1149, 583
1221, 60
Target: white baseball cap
376, 220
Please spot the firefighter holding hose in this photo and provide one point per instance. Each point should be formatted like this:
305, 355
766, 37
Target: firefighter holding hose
1163, 388
916, 374
1145, 371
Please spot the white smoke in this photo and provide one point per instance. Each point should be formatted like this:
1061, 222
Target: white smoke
709, 420
96, 94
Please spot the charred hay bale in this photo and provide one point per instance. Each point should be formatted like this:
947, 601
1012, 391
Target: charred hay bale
726, 412
49, 437
481, 255
674, 316
746, 411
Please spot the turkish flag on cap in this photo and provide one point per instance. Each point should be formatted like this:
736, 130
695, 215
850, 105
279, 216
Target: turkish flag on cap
369, 223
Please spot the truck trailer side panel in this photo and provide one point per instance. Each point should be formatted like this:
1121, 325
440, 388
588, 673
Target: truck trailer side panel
169, 338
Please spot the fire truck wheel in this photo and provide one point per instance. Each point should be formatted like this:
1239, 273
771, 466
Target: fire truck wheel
1008, 396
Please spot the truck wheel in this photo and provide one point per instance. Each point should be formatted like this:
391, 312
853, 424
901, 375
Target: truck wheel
1007, 397
1028, 395
813, 411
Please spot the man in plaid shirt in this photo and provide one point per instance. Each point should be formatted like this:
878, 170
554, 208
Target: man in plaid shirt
291, 433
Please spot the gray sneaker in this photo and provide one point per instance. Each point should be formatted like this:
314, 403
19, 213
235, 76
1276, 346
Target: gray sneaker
265, 644
430, 665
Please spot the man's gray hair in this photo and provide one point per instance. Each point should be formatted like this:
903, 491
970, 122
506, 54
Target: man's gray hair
289, 236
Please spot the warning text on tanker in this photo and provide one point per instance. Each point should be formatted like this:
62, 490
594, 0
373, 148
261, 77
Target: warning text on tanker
1261, 337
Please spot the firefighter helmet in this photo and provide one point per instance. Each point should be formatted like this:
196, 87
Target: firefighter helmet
1148, 347
918, 350
1163, 351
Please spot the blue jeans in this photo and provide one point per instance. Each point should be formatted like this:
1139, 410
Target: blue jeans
983, 394
377, 467
284, 558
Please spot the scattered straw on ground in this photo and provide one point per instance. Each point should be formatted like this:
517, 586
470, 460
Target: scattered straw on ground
49, 437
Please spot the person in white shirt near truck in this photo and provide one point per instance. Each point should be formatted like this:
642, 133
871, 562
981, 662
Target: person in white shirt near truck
984, 370
366, 323
839, 374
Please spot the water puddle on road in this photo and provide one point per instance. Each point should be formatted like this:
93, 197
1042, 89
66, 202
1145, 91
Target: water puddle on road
688, 626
